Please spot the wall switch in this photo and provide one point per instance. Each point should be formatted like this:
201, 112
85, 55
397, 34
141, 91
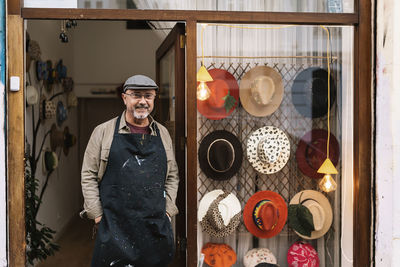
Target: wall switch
14, 83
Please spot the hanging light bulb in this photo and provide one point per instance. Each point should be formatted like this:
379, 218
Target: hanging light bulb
203, 92
327, 183
203, 76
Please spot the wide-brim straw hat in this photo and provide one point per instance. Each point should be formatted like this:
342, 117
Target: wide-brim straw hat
256, 256
320, 208
254, 223
302, 254
220, 155
268, 149
224, 97
311, 152
310, 92
219, 213
261, 91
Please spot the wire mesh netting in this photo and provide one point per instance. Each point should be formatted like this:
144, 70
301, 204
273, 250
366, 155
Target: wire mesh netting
289, 180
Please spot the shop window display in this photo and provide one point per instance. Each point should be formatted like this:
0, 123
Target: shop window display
270, 90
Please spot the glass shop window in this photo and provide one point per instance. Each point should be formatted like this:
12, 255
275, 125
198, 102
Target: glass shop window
275, 144
330, 6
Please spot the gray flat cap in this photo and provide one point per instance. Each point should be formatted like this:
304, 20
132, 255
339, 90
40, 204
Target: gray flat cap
139, 82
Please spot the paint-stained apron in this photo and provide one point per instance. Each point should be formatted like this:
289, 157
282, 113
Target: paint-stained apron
134, 229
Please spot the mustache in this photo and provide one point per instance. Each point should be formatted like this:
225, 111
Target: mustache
141, 106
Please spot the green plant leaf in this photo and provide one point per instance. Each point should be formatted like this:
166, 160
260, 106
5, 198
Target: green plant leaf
229, 103
306, 218
300, 219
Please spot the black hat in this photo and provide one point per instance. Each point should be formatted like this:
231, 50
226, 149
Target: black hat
220, 155
310, 92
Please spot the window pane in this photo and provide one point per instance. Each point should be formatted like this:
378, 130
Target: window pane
333, 6
265, 62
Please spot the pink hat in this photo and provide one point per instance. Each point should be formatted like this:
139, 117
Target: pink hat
302, 254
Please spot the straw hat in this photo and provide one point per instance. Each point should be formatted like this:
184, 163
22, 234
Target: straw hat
268, 149
310, 92
302, 254
304, 204
72, 100
219, 213
220, 155
218, 255
311, 152
224, 96
261, 91
257, 256
265, 214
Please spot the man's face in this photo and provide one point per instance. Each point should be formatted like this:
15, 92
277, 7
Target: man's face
139, 103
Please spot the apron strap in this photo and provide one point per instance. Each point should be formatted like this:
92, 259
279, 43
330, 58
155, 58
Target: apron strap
117, 125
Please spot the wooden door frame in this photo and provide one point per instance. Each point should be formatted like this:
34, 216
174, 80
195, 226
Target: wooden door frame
360, 19
174, 41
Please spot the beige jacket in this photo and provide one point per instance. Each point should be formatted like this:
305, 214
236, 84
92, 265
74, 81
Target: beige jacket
96, 158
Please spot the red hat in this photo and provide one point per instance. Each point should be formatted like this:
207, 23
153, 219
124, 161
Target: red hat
218, 255
302, 254
265, 214
216, 106
311, 152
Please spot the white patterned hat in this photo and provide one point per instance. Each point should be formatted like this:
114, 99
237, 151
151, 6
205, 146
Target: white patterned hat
256, 256
268, 149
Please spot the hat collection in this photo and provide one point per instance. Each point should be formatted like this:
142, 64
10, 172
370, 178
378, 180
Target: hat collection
268, 150
300, 254
46, 94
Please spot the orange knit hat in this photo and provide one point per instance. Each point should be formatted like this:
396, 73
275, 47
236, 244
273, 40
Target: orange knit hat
218, 255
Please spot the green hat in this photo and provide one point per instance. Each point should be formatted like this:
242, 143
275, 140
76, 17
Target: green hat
50, 161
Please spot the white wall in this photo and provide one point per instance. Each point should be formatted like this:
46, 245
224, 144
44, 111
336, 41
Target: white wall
106, 54
388, 134
62, 198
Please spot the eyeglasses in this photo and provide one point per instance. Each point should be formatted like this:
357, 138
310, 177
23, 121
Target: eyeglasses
138, 96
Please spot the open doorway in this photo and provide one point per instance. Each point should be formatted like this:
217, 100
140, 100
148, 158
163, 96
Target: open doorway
71, 88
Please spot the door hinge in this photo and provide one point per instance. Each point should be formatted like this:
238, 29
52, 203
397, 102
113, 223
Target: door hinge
182, 40
183, 142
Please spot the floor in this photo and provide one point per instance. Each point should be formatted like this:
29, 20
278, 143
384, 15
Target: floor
76, 246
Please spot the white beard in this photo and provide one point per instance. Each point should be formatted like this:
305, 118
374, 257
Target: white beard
140, 116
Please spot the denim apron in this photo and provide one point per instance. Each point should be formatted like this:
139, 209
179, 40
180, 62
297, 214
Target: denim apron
134, 229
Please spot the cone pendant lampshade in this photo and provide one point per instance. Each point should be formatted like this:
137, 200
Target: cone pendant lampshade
327, 167
203, 75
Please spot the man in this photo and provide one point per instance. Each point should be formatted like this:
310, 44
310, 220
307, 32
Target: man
129, 183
